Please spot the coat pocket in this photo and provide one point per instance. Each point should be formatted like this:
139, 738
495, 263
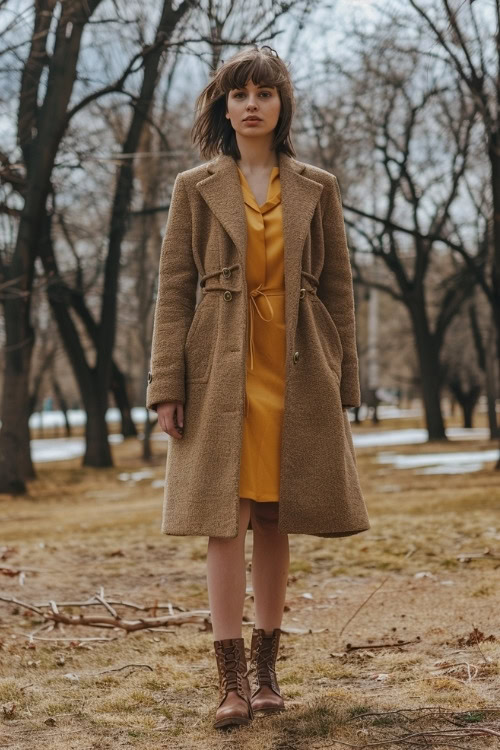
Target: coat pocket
201, 340
328, 333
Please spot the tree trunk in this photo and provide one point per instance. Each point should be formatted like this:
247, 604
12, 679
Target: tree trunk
93, 394
119, 390
487, 362
63, 406
494, 154
468, 410
15, 455
467, 400
492, 389
430, 373
98, 450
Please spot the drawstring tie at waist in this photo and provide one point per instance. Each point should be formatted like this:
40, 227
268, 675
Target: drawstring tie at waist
251, 307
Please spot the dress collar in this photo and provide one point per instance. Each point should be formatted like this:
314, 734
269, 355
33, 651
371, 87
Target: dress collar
273, 192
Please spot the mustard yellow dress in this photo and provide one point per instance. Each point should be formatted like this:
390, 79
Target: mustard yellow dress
265, 371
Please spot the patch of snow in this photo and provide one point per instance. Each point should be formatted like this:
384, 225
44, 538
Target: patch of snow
415, 435
62, 449
136, 476
451, 462
446, 469
57, 449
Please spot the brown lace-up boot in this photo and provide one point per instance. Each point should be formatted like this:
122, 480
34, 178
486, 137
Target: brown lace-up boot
266, 697
234, 689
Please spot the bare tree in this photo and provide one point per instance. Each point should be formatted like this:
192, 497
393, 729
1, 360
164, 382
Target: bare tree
409, 163
40, 129
466, 38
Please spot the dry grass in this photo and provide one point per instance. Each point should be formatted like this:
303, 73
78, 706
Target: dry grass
81, 529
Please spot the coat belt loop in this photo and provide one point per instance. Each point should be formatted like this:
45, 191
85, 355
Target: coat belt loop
313, 281
220, 273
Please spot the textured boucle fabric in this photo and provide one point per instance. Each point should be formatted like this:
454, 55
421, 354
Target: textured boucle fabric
199, 354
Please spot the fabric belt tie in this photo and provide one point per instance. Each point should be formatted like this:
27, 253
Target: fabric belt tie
251, 308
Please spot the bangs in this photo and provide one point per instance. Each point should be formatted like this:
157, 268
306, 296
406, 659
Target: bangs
260, 69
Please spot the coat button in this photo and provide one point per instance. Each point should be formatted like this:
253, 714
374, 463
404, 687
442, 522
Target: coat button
226, 272
150, 377
296, 356
228, 295
302, 293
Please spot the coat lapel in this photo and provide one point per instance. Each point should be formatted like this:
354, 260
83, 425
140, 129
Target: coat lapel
299, 198
222, 192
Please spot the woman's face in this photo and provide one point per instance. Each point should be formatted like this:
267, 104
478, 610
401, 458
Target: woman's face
262, 103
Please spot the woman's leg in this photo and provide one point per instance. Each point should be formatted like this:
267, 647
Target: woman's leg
270, 563
226, 579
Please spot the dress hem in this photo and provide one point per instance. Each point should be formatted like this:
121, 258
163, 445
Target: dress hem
259, 499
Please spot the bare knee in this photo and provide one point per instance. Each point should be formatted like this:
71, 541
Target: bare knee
264, 518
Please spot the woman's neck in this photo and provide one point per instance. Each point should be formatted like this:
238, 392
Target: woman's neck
256, 154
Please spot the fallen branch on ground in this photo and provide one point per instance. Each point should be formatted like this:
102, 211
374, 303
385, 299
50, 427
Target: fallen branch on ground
450, 734
125, 666
15, 571
428, 710
350, 647
70, 640
486, 555
112, 619
95, 601
421, 714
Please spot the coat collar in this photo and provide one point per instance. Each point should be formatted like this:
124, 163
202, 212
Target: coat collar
222, 192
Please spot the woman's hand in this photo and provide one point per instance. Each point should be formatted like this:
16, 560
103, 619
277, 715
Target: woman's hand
171, 418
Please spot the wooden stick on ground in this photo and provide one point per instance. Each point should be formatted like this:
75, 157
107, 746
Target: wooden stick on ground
363, 604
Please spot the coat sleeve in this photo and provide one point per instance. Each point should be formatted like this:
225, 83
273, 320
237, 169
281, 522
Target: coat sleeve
175, 303
336, 290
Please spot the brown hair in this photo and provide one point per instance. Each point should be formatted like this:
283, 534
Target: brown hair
212, 131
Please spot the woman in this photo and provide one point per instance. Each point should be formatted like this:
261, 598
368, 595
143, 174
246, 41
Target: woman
252, 383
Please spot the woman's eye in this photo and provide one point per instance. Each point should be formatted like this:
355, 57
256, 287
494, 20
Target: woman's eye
239, 94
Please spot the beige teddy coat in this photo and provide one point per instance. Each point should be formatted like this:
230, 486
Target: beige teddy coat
200, 344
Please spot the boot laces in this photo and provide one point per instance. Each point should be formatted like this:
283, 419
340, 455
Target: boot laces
231, 674
264, 659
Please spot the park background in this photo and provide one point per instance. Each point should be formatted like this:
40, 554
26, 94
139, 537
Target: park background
391, 636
